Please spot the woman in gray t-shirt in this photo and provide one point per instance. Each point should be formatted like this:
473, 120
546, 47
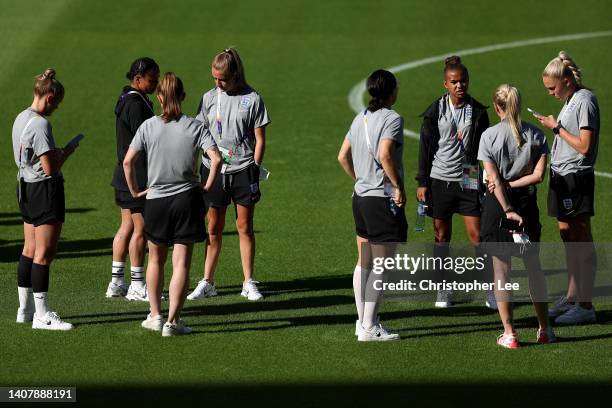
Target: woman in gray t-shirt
41, 200
513, 154
237, 118
174, 209
572, 183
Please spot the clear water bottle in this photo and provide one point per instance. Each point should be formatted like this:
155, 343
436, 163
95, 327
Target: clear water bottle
419, 224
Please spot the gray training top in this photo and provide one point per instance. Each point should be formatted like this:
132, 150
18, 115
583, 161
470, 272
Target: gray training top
497, 145
382, 124
232, 119
30, 143
580, 111
172, 151
448, 160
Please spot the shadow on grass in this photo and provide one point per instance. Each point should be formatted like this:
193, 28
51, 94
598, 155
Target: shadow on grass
80, 248
14, 218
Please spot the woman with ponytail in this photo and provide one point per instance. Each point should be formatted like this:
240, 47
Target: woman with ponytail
237, 118
40, 195
371, 155
174, 210
572, 183
448, 174
513, 154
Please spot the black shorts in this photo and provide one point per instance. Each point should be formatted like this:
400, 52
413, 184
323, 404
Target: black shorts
377, 221
125, 201
178, 219
241, 187
448, 197
571, 195
43, 202
498, 241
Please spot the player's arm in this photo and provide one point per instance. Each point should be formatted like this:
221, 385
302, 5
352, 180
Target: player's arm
260, 144
534, 178
500, 191
346, 159
386, 159
130, 174
215, 166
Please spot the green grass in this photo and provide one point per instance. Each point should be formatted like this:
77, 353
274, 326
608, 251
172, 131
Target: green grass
303, 57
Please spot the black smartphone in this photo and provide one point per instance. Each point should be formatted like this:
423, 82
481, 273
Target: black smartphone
510, 225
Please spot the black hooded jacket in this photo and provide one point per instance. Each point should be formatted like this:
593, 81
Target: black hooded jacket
131, 110
430, 137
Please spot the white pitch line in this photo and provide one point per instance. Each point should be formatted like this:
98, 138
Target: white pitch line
355, 97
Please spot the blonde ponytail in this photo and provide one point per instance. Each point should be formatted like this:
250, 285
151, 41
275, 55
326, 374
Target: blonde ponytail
564, 66
508, 99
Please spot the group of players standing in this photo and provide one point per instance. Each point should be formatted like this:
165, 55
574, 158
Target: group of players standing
157, 159
455, 136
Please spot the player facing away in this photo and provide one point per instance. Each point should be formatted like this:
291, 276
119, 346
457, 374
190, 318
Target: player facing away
174, 209
40, 194
237, 118
133, 107
371, 154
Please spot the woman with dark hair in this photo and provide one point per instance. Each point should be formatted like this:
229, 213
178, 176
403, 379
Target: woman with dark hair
237, 118
571, 193
513, 154
448, 175
40, 194
132, 108
174, 210
371, 155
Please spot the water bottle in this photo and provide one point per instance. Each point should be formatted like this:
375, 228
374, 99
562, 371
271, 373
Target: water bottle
419, 224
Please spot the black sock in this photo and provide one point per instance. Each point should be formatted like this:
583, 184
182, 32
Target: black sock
24, 272
40, 278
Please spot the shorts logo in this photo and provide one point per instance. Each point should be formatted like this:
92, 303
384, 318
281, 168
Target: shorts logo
567, 203
245, 102
254, 188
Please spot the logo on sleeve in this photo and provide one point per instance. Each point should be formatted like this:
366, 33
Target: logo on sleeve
245, 102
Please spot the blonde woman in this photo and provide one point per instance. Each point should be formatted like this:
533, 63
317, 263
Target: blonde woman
572, 183
513, 154
174, 210
41, 201
237, 118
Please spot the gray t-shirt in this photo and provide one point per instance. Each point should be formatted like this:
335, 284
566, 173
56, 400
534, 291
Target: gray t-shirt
382, 124
30, 143
232, 119
172, 151
497, 145
580, 111
454, 125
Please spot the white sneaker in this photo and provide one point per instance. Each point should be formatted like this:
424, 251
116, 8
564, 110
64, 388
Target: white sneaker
491, 302
50, 321
203, 290
139, 294
250, 291
359, 328
577, 315
444, 299
177, 329
376, 333
561, 306
115, 290
24, 316
153, 323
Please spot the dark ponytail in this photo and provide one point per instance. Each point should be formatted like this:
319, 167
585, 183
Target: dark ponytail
141, 66
381, 85
454, 63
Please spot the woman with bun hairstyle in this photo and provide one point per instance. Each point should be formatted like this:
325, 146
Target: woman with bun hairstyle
572, 183
174, 209
371, 155
513, 154
448, 173
237, 118
40, 195
133, 107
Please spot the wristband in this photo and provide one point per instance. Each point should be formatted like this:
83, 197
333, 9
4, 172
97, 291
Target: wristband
509, 209
557, 129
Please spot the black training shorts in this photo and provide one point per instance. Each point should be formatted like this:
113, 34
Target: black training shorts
571, 195
125, 201
241, 188
448, 197
42, 202
378, 220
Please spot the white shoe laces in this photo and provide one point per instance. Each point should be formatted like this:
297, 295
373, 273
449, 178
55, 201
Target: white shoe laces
252, 287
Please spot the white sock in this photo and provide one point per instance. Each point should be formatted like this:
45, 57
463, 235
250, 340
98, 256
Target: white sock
357, 278
41, 303
370, 314
117, 274
372, 300
26, 300
137, 274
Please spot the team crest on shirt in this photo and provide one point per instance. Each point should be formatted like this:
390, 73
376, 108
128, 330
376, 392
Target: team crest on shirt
245, 102
567, 203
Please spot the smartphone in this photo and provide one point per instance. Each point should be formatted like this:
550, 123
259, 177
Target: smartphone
510, 225
534, 113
